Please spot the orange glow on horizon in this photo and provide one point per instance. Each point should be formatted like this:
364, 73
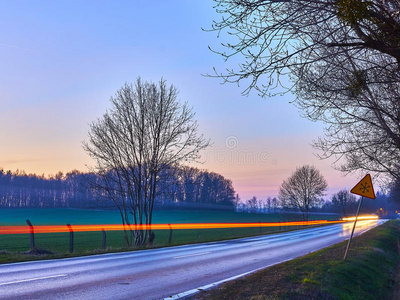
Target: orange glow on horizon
23, 229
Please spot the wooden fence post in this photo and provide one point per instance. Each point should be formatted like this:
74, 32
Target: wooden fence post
71, 239
31, 234
103, 246
170, 234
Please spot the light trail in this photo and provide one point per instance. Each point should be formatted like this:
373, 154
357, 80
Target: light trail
20, 229
364, 217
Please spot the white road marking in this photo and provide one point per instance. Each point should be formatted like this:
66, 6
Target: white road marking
203, 253
208, 286
259, 244
33, 279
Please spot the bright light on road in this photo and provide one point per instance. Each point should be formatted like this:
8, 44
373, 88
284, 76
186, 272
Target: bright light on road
118, 227
363, 217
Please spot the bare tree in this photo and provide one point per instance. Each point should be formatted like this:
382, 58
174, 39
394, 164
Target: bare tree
274, 204
360, 102
252, 204
274, 36
394, 191
344, 200
343, 59
236, 201
269, 201
302, 189
146, 131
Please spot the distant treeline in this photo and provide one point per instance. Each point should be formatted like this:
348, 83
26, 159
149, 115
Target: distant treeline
183, 187
383, 205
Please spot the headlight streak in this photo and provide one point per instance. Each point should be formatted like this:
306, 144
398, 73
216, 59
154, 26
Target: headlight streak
364, 217
20, 229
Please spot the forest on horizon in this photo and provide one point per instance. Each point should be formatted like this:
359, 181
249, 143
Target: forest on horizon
182, 187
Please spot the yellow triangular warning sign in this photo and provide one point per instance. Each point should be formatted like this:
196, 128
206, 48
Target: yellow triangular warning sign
364, 188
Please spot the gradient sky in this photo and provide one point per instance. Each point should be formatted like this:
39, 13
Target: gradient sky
61, 61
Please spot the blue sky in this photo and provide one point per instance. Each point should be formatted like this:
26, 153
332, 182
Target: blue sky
61, 61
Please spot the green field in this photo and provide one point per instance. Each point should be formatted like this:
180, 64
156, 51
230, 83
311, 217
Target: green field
88, 242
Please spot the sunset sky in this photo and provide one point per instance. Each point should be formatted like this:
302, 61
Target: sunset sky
61, 61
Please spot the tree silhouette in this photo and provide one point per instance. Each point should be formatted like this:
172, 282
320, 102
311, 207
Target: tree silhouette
146, 131
302, 189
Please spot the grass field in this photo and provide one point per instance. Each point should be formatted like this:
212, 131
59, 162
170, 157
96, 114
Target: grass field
61, 216
11, 246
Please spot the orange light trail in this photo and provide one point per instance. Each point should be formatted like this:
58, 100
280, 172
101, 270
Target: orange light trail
20, 229
365, 217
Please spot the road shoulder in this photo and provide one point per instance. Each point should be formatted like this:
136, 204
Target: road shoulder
368, 273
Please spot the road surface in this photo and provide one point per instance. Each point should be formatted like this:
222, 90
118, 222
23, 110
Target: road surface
166, 272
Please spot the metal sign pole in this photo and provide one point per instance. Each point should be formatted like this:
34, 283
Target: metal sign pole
354, 226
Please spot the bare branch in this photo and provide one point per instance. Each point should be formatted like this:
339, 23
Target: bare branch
145, 132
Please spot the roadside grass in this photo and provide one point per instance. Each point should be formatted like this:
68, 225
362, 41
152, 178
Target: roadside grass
369, 272
13, 248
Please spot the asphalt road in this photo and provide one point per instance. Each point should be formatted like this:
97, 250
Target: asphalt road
166, 272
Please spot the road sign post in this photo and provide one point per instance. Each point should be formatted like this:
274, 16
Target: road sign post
364, 189
354, 227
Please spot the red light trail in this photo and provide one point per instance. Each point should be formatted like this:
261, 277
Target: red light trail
21, 229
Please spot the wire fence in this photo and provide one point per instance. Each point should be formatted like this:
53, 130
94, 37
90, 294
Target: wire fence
104, 237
